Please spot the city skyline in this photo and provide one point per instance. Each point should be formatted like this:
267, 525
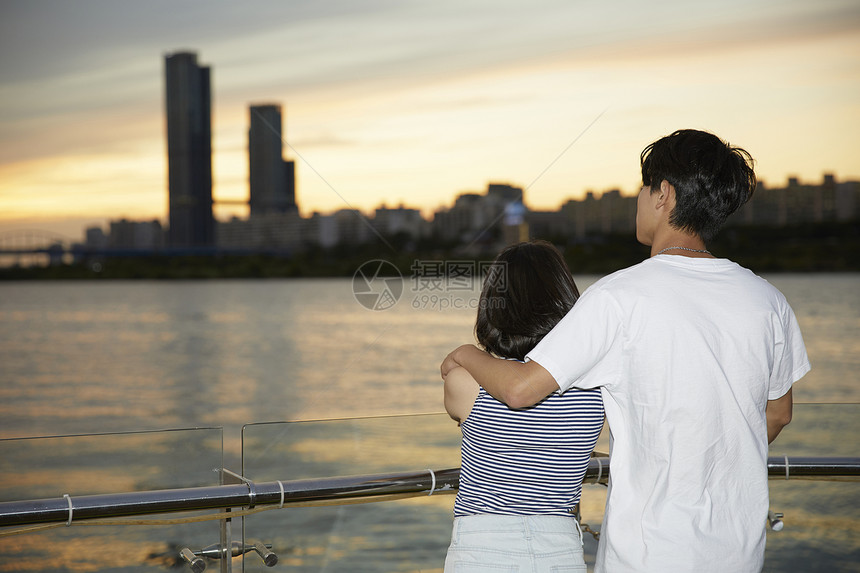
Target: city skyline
413, 104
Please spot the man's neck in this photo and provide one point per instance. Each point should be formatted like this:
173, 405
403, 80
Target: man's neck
678, 243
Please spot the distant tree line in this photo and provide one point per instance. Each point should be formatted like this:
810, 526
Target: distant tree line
810, 247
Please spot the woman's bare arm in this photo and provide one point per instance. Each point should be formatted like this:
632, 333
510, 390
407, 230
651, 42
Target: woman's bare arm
461, 390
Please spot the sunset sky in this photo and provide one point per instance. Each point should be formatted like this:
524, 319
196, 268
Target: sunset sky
415, 102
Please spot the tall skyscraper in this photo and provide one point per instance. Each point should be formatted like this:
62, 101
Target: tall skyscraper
188, 105
271, 179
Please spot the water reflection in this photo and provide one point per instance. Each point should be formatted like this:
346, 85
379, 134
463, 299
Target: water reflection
405, 535
828, 311
38, 468
88, 357
821, 518
98, 357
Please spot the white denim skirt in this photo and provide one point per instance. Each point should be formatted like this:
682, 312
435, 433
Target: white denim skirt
515, 543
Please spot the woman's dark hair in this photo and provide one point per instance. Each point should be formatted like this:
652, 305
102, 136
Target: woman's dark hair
712, 179
527, 290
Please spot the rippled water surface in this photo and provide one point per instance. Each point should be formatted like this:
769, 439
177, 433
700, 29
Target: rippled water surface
96, 357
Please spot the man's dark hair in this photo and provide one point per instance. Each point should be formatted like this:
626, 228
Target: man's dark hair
712, 179
528, 289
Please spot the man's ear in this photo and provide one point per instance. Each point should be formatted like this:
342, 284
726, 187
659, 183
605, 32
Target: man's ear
666, 195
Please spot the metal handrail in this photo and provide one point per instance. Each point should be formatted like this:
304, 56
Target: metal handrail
813, 468
248, 494
335, 489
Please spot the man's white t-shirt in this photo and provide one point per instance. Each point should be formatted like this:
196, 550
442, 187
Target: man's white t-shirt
686, 352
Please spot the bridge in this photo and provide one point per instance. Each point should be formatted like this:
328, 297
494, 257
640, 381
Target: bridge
26, 247
33, 247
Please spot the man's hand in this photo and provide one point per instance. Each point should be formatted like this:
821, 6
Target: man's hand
450, 361
517, 384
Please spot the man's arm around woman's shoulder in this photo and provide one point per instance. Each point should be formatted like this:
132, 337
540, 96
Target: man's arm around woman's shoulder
517, 384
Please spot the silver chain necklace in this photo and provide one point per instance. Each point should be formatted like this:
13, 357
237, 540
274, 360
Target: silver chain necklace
706, 251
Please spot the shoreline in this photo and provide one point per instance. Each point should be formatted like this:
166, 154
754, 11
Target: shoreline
811, 248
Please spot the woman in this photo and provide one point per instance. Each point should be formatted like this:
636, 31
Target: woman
521, 473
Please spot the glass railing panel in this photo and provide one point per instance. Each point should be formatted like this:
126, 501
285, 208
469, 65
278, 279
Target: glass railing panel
821, 522
821, 519
96, 464
402, 535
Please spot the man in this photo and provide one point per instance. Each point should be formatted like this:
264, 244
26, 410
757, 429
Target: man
695, 357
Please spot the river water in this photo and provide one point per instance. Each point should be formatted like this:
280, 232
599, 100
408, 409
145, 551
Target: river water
212, 356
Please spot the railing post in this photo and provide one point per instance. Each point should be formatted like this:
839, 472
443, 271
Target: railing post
227, 544
227, 527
